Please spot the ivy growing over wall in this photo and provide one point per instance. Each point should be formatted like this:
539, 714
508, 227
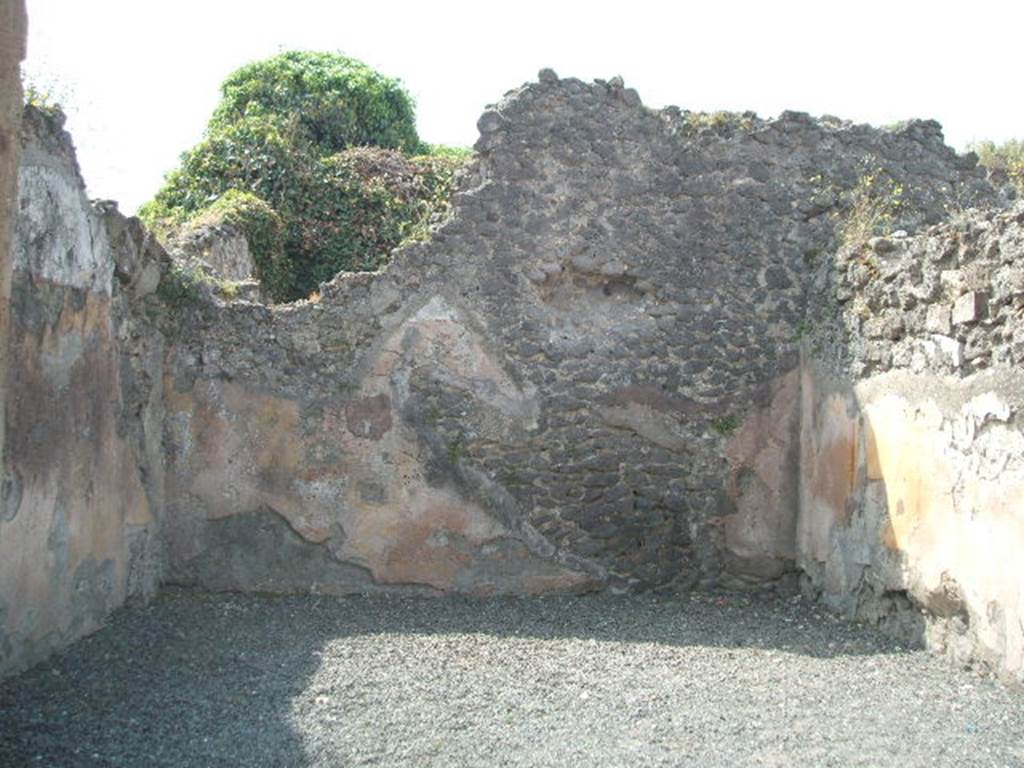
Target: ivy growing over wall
315, 158
338, 102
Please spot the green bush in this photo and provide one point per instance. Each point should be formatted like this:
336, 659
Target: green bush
260, 155
461, 154
339, 102
317, 140
357, 205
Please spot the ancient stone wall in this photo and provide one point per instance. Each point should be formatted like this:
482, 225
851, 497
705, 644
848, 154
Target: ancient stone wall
592, 365
912, 473
643, 352
78, 516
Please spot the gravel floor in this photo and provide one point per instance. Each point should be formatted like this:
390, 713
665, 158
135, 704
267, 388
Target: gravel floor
225, 680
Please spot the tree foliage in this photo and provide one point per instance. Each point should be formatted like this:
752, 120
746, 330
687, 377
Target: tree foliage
339, 102
324, 146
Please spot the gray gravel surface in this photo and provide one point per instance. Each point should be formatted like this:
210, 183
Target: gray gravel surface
226, 680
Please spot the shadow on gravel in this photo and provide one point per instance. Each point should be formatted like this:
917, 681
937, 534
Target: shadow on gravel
212, 680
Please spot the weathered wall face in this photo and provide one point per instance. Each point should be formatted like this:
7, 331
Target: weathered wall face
76, 522
337, 496
632, 358
591, 364
12, 51
223, 251
761, 488
912, 473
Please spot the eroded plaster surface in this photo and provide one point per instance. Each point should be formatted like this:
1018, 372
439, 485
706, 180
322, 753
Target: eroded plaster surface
912, 465
375, 487
911, 501
77, 527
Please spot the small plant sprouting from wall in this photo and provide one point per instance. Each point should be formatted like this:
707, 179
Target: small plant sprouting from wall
725, 425
1007, 158
718, 121
179, 285
456, 450
50, 95
875, 203
183, 283
44, 103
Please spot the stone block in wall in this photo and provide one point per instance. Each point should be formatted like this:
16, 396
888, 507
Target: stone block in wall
640, 274
223, 250
939, 319
968, 308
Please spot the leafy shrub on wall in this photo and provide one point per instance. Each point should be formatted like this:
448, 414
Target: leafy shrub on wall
359, 204
340, 102
257, 154
321, 142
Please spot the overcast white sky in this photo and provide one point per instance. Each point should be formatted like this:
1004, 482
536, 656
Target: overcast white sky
141, 76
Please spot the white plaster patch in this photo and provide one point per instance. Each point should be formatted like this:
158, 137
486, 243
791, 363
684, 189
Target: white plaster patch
458, 358
944, 463
58, 237
435, 309
987, 405
950, 349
